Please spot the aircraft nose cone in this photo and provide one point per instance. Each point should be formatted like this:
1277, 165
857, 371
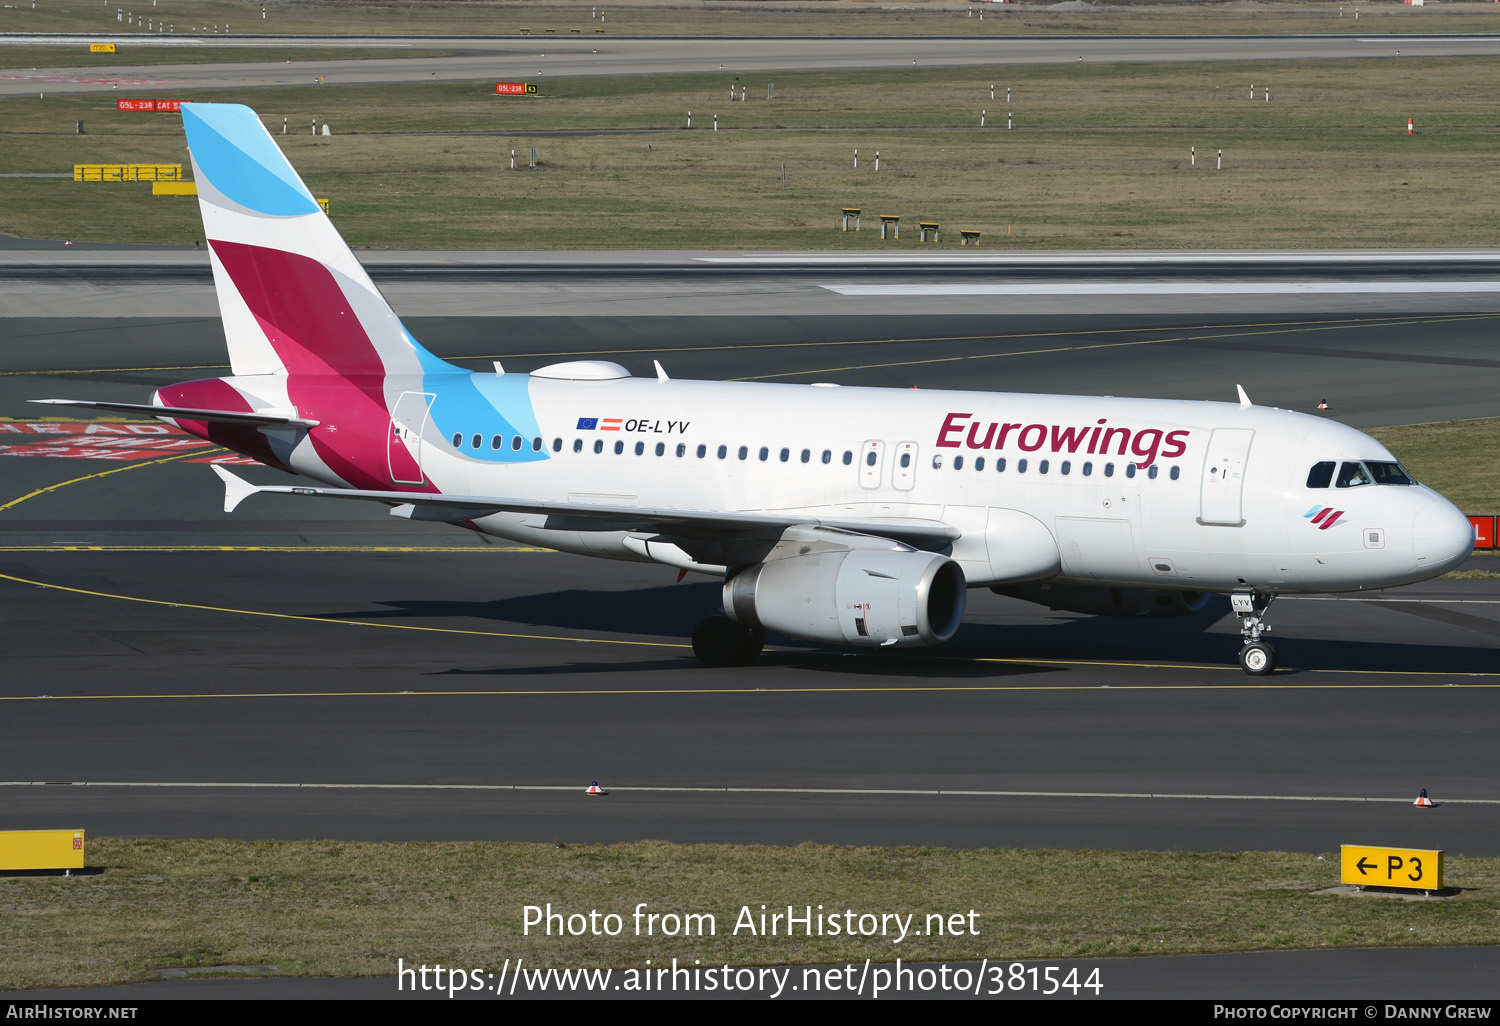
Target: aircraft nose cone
1442, 537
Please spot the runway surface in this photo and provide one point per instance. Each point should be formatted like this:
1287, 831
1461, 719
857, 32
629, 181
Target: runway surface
535, 59
170, 670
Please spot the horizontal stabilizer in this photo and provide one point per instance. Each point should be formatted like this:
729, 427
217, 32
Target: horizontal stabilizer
587, 516
183, 413
236, 489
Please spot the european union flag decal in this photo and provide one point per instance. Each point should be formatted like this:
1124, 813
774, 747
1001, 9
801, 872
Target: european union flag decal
588, 424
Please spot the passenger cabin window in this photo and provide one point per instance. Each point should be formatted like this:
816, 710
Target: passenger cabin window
1109, 470
1321, 474
786, 454
1130, 470
978, 463
1088, 468
1153, 471
497, 441
1067, 465
848, 457
764, 453
661, 448
1389, 473
744, 452
1041, 467
536, 444
703, 451
827, 456
515, 443
598, 446
681, 449
958, 463
640, 448
1000, 464
578, 445
905, 460
475, 441
723, 452
458, 441
619, 448
1352, 475
557, 445
1176, 473
806, 455
1020, 466
870, 458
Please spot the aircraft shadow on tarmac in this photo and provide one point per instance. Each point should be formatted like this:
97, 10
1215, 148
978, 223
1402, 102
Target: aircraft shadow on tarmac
1209, 636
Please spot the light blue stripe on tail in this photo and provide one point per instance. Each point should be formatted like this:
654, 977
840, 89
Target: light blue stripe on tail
238, 157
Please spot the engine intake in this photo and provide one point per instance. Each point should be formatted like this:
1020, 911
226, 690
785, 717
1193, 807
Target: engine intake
855, 597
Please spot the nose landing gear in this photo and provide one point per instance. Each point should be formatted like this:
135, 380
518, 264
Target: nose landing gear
1257, 658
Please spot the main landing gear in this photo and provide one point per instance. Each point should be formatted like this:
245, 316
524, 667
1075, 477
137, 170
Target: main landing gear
1257, 658
719, 641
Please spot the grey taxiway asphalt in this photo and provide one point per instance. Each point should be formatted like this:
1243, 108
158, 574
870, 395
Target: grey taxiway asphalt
299, 671
532, 58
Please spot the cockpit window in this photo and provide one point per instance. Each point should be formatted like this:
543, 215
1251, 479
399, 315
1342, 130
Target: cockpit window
1389, 473
1321, 475
1352, 475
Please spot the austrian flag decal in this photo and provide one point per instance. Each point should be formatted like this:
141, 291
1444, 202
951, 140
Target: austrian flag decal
1324, 516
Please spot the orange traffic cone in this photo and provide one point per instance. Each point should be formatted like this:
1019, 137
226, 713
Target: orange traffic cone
1322, 404
595, 791
1423, 802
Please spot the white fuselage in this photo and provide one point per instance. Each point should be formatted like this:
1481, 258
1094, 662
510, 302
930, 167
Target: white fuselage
1198, 496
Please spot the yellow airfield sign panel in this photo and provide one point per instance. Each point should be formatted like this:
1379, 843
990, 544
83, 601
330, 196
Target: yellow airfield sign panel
41, 849
1414, 869
101, 48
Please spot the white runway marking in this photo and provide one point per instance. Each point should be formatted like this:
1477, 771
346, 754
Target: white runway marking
1311, 258
1371, 598
1163, 288
856, 791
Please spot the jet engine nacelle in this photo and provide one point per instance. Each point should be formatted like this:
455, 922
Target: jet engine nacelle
1081, 598
857, 597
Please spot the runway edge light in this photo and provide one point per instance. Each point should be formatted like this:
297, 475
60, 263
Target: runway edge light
594, 790
41, 849
1423, 802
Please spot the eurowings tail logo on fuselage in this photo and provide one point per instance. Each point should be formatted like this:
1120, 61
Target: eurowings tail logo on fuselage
1324, 516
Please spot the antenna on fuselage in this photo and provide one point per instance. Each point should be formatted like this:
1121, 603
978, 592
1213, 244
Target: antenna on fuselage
661, 375
1245, 403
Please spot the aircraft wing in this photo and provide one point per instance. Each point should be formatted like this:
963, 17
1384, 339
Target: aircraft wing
178, 412
590, 517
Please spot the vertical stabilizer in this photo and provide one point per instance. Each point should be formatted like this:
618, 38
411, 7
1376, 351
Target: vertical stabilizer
293, 298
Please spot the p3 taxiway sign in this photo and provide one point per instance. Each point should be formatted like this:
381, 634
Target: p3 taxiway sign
1413, 869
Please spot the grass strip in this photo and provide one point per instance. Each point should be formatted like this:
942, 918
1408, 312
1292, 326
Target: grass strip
1456, 457
323, 908
823, 18
1100, 157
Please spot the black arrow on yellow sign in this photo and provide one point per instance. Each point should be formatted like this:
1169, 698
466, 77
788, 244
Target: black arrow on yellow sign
1363, 869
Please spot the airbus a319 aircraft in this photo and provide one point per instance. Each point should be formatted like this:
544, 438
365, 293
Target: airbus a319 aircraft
857, 517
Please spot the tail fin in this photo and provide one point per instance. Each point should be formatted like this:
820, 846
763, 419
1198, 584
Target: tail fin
293, 298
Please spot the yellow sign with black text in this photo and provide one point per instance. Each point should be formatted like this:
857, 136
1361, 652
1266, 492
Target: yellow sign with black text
101, 48
1414, 869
